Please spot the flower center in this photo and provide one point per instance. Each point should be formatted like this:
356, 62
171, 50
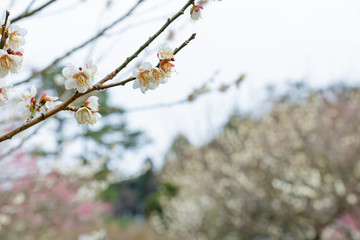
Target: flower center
5, 61
144, 77
167, 54
13, 36
166, 66
81, 79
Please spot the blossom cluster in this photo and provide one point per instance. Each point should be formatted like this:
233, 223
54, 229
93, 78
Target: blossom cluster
11, 54
35, 108
11, 58
81, 79
149, 77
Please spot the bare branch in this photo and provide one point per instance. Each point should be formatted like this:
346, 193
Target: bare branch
3, 35
29, 6
184, 44
98, 86
190, 98
122, 83
90, 40
28, 14
152, 38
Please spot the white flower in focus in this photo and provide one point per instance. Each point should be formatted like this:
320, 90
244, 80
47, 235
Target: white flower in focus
92, 103
166, 67
144, 79
158, 75
9, 62
80, 78
195, 12
165, 52
15, 37
87, 114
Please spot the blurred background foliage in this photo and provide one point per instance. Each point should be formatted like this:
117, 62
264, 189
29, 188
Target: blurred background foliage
288, 172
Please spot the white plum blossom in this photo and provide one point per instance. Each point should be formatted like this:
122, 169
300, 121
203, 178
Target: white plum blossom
15, 37
4, 95
48, 103
80, 78
165, 52
26, 101
4, 91
87, 113
144, 79
28, 95
92, 103
166, 67
9, 62
158, 75
195, 12
84, 116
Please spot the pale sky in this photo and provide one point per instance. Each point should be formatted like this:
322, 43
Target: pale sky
272, 42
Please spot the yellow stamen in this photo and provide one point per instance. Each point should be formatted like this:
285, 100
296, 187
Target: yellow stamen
166, 66
157, 75
144, 78
81, 79
5, 61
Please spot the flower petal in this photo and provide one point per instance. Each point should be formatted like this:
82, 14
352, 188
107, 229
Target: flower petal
136, 84
70, 83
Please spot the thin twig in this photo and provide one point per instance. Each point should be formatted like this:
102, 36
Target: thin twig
28, 14
184, 44
93, 38
152, 38
188, 99
3, 36
97, 86
123, 82
29, 6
